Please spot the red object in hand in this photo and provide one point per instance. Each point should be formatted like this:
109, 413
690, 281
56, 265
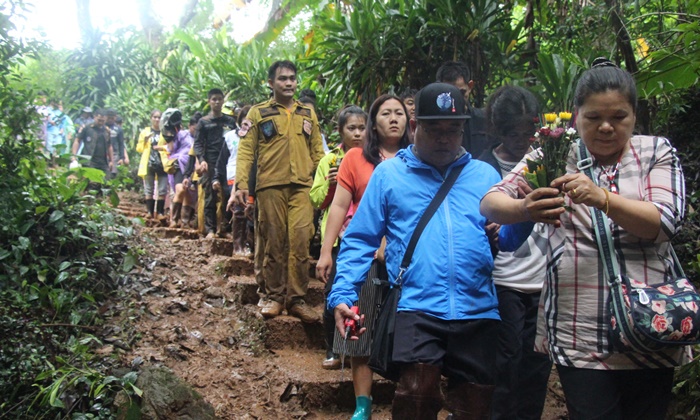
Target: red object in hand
352, 326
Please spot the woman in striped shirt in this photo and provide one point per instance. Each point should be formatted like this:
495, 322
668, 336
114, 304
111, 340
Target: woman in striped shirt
642, 191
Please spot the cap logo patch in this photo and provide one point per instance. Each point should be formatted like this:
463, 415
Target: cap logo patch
445, 102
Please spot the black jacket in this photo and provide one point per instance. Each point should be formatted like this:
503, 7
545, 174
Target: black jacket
474, 139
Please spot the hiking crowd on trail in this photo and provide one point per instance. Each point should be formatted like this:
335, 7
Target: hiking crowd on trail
497, 281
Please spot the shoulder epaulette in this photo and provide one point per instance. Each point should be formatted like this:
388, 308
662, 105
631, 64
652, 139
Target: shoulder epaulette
303, 111
269, 111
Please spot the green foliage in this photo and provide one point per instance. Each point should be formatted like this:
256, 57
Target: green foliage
195, 64
110, 61
13, 53
683, 128
579, 28
376, 47
557, 81
277, 23
59, 262
68, 384
60, 249
370, 62
687, 390
675, 65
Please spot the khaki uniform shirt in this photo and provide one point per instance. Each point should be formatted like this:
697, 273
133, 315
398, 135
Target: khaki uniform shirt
286, 143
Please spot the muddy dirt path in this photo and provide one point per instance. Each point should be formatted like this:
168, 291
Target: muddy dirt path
194, 311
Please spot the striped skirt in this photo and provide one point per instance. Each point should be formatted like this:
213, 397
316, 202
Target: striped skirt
370, 300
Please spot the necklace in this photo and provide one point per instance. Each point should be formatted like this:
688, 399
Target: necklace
611, 173
385, 156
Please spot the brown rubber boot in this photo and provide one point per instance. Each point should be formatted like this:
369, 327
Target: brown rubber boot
186, 219
175, 216
239, 235
417, 395
470, 401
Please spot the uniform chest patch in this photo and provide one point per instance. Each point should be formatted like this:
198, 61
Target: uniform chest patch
268, 129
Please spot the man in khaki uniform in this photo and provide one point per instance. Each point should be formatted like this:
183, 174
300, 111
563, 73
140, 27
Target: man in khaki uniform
285, 139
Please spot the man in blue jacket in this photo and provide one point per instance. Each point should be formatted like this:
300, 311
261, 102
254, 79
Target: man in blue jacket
448, 307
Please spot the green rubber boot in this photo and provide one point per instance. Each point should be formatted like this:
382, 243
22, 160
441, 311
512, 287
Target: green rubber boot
363, 408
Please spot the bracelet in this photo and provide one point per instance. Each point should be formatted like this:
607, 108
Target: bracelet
607, 201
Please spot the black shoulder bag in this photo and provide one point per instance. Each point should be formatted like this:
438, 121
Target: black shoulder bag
382, 347
643, 318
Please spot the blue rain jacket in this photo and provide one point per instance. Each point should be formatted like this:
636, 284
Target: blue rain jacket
449, 276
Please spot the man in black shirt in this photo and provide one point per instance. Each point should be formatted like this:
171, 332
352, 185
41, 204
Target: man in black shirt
95, 140
208, 139
474, 139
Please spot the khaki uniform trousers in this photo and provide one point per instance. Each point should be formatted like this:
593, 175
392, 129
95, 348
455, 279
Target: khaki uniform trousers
285, 220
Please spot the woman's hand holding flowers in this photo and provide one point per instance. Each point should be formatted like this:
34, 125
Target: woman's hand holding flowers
581, 190
544, 205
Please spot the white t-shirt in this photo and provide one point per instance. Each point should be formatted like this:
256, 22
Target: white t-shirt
231, 138
524, 269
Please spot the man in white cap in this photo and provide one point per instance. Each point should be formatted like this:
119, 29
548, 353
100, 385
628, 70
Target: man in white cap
83, 120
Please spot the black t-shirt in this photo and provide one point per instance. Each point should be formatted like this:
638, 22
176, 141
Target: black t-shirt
155, 135
95, 144
209, 137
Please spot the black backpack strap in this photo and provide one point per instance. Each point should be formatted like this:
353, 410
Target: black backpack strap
425, 218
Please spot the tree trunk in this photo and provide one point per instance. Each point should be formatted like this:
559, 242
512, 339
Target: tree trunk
87, 32
530, 54
151, 27
277, 12
189, 12
624, 47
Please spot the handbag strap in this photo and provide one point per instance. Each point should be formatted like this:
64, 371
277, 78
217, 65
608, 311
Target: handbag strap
425, 218
602, 227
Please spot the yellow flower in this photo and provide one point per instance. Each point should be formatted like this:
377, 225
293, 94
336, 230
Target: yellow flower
565, 116
550, 117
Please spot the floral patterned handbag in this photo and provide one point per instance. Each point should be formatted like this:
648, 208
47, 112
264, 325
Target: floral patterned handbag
649, 318
644, 317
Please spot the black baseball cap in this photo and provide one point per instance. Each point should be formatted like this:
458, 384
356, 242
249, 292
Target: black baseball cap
440, 101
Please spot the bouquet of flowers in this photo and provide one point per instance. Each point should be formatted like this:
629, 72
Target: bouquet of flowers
554, 140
